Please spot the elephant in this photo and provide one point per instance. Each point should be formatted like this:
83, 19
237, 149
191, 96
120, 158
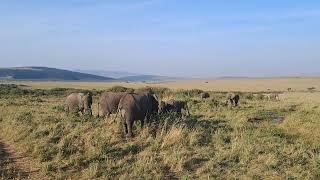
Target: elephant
76, 102
204, 95
272, 96
109, 102
136, 106
173, 105
275, 96
164, 107
233, 99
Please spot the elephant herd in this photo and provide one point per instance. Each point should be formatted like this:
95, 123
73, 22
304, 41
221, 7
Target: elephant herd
131, 106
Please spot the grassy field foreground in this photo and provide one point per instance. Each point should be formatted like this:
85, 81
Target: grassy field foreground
214, 142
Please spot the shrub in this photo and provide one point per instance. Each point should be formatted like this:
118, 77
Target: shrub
25, 117
249, 96
189, 93
59, 108
154, 90
118, 89
45, 152
58, 91
69, 145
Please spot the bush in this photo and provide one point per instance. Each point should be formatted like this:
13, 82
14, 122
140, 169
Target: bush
156, 90
40, 92
193, 92
118, 89
25, 117
45, 153
58, 91
249, 96
59, 108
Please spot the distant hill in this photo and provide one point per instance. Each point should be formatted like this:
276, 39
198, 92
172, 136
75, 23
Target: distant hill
127, 76
45, 73
147, 78
233, 77
107, 73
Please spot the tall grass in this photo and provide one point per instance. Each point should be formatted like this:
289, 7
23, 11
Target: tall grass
216, 141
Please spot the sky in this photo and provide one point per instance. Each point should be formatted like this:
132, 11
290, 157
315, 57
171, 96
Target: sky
187, 38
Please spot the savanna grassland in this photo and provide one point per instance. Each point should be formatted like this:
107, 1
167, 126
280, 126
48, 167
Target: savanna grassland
214, 142
227, 84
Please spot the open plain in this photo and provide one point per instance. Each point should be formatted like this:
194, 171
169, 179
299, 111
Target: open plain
227, 84
215, 141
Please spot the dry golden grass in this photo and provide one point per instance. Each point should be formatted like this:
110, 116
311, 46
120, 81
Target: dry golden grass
215, 142
244, 85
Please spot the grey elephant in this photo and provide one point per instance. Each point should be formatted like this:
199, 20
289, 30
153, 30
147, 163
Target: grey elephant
233, 99
204, 95
109, 102
136, 106
79, 102
173, 105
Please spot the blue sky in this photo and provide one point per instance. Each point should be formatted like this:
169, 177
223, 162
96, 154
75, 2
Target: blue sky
204, 38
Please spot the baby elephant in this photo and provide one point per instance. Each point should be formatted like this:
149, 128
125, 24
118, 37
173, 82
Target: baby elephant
233, 99
173, 105
79, 102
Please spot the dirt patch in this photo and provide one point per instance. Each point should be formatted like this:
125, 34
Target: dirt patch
15, 165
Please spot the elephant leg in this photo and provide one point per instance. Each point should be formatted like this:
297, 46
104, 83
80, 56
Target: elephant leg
81, 110
142, 122
130, 124
125, 127
146, 119
103, 114
66, 109
179, 112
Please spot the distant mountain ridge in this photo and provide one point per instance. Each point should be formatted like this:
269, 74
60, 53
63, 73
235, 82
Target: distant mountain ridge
128, 76
147, 78
107, 73
55, 74
45, 73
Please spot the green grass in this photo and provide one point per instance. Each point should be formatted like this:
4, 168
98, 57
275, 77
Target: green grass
214, 142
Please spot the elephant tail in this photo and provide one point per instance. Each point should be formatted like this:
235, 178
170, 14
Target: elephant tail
98, 109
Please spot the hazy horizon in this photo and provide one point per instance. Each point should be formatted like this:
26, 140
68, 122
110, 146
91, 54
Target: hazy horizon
160, 37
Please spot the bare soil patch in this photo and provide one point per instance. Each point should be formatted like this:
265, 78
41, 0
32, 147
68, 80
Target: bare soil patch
16, 165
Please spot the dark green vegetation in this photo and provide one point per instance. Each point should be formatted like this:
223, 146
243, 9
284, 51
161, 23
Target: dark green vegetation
7, 168
214, 142
44, 73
